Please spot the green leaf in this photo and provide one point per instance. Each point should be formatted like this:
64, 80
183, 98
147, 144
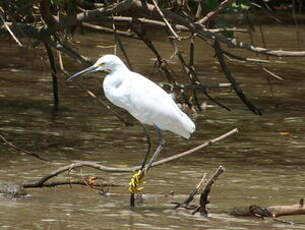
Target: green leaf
245, 4
239, 6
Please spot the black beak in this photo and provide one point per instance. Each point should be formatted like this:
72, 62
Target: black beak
85, 71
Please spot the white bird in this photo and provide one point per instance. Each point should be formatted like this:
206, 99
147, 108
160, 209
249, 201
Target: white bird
142, 98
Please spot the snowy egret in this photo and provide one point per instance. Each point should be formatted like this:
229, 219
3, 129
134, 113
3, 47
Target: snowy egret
142, 98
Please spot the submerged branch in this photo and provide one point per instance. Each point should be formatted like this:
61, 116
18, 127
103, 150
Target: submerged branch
103, 168
206, 191
71, 182
6, 142
186, 203
272, 211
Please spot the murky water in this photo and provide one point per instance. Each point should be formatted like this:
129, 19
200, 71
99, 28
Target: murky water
264, 162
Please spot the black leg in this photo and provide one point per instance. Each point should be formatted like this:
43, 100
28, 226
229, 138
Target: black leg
148, 146
137, 178
161, 143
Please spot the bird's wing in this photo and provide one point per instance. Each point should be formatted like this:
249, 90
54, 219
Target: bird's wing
150, 103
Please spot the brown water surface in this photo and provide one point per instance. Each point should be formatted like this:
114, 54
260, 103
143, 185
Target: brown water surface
265, 162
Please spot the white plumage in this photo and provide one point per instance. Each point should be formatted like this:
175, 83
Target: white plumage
142, 98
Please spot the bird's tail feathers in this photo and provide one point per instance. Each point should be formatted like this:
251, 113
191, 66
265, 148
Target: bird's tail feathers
187, 127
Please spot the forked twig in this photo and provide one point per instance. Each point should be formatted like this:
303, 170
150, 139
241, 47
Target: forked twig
186, 203
206, 190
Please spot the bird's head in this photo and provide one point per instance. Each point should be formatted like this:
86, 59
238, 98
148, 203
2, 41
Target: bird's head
107, 63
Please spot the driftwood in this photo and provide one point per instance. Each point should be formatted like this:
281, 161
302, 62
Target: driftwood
285, 210
272, 211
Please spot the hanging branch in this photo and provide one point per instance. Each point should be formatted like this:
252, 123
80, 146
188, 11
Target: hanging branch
190, 71
297, 30
191, 66
162, 64
267, 11
64, 48
231, 79
54, 76
137, 7
9, 30
119, 42
170, 28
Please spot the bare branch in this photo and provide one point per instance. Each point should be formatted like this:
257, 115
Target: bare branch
103, 168
206, 191
232, 80
9, 30
213, 13
273, 74
170, 28
186, 203
70, 182
109, 30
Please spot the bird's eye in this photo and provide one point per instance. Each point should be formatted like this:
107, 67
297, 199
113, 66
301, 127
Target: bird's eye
101, 64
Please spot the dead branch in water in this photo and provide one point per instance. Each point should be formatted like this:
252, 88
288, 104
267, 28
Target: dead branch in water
86, 181
206, 191
98, 166
205, 187
272, 211
186, 203
285, 210
11, 145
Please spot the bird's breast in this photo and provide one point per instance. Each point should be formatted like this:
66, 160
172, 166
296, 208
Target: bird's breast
116, 92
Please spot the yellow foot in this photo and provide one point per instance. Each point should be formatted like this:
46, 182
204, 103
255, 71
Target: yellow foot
136, 182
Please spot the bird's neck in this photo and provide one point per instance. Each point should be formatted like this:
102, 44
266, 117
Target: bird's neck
118, 74
114, 67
